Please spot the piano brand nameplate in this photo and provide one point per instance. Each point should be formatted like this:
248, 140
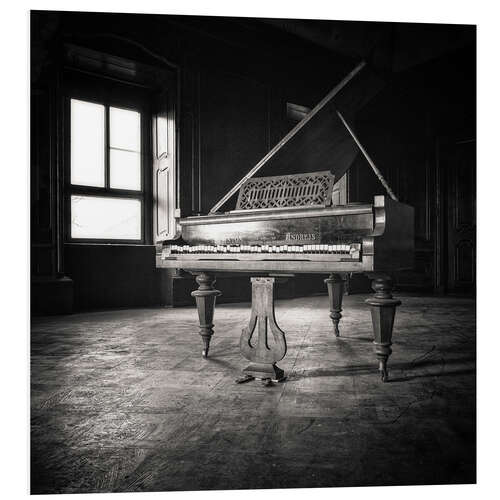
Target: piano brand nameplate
302, 237
287, 237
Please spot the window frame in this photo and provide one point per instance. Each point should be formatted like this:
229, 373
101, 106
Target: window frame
109, 93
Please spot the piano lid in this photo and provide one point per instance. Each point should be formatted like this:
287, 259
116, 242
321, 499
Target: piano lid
320, 140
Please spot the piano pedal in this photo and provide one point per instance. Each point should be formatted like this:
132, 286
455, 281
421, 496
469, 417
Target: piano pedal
244, 378
266, 382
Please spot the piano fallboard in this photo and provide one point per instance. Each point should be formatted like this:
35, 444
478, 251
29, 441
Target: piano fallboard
346, 224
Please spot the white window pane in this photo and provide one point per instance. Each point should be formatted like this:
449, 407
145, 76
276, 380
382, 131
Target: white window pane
87, 143
125, 169
106, 218
124, 129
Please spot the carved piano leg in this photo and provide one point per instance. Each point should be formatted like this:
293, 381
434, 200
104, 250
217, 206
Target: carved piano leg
335, 284
205, 301
258, 349
383, 309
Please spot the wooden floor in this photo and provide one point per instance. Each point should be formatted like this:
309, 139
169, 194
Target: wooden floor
123, 401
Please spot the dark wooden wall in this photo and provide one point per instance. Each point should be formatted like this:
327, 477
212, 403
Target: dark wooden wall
421, 132
235, 77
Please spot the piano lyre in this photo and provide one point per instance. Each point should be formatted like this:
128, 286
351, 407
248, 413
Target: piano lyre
286, 224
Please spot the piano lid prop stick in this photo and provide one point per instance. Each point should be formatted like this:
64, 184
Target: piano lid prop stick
370, 161
290, 134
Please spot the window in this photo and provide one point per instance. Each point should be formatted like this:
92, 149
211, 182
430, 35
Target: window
106, 187
119, 154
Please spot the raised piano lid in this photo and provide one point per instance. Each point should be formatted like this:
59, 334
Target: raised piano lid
320, 140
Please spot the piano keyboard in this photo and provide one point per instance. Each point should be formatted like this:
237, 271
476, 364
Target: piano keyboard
348, 251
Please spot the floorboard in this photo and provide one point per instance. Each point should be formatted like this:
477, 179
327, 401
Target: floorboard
122, 401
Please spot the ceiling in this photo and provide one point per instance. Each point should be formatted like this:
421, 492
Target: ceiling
388, 46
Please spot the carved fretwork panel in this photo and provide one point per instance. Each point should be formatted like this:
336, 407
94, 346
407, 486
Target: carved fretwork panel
299, 190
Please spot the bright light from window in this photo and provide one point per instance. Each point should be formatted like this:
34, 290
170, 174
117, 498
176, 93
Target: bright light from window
105, 218
125, 148
125, 129
125, 169
87, 143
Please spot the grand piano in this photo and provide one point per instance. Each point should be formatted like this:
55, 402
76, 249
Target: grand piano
289, 223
